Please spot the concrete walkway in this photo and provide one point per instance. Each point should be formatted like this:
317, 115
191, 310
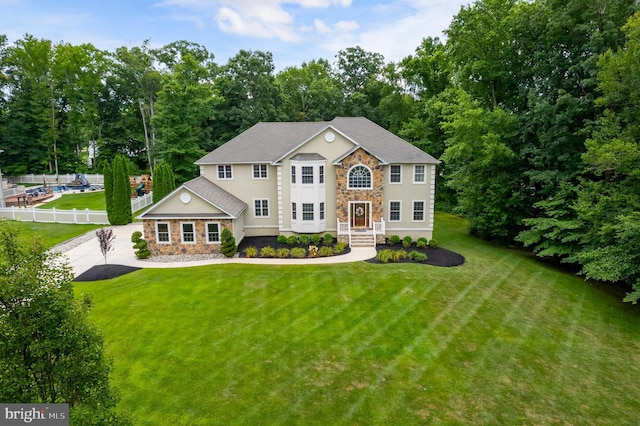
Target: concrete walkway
87, 254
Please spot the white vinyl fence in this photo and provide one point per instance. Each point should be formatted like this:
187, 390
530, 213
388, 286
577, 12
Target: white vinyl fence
69, 216
55, 215
94, 179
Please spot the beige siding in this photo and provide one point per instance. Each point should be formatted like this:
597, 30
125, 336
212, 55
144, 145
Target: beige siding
174, 205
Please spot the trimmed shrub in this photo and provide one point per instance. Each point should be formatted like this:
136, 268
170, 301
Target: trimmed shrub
407, 241
328, 239
385, 255
315, 239
108, 190
267, 251
282, 239
313, 251
121, 197
304, 240
434, 243
282, 252
422, 242
399, 255
394, 239
228, 243
339, 247
251, 251
298, 252
292, 240
417, 256
325, 251
136, 236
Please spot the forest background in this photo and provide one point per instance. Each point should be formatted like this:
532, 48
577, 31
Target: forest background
532, 107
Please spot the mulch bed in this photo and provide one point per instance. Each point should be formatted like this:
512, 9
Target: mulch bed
435, 256
105, 272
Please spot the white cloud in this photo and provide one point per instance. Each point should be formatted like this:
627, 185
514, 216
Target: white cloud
346, 26
321, 26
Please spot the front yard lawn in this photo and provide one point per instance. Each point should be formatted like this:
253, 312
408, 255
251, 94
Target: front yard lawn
501, 339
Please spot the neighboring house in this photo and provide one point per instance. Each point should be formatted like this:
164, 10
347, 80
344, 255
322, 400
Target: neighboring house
348, 177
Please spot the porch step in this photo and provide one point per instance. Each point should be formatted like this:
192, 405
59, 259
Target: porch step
363, 239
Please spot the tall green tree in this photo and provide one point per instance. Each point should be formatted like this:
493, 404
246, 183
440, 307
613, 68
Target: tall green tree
163, 182
107, 172
122, 213
49, 351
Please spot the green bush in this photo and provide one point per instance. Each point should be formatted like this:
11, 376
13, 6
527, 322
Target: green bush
298, 252
422, 242
292, 240
385, 255
434, 243
282, 252
328, 239
315, 239
304, 240
394, 239
282, 239
228, 243
267, 251
136, 236
339, 247
325, 251
399, 255
407, 241
417, 256
250, 251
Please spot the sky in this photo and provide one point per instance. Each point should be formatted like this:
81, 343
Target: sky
294, 31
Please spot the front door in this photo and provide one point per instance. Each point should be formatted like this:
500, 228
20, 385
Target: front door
359, 215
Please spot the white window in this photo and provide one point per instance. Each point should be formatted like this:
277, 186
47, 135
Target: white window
188, 232
307, 211
294, 211
360, 177
307, 174
162, 233
261, 207
225, 172
394, 211
260, 171
395, 173
419, 175
293, 174
321, 178
418, 211
213, 232
321, 211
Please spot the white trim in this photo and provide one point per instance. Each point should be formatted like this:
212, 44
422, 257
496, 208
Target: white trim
158, 233
193, 224
253, 171
391, 174
413, 210
360, 187
424, 174
230, 166
261, 216
206, 231
399, 212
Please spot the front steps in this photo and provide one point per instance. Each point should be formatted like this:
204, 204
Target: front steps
363, 239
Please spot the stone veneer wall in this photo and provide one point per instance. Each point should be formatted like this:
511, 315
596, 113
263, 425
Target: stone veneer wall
176, 247
375, 195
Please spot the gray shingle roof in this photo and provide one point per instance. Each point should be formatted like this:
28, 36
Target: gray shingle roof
215, 195
271, 141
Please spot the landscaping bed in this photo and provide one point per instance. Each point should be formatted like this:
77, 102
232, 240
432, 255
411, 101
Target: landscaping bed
259, 243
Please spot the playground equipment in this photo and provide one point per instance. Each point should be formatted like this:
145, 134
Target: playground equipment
80, 182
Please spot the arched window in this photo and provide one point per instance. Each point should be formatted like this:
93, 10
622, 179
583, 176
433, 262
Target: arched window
360, 177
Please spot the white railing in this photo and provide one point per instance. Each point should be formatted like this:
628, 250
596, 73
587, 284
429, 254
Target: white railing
379, 228
141, 202
93, 179
344, 229
10, 192
55, 215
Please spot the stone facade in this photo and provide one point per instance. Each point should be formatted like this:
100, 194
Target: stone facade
177, 247
375, 195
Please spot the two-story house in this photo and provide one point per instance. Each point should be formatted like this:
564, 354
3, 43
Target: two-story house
348, 177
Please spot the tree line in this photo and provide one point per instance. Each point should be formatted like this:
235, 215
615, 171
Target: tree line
530, 105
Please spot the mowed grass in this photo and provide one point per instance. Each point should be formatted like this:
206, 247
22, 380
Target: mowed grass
92, 200
503, 339
52, 233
